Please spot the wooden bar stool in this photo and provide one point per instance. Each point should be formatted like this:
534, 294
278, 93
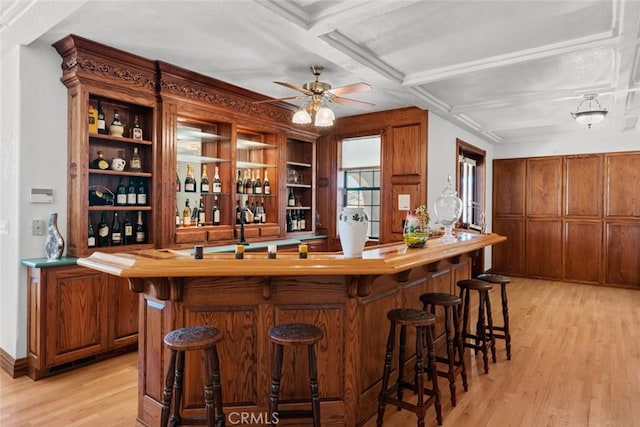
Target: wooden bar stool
453, 358
506, 334
188, 339
483, 338
423, 322
295, 334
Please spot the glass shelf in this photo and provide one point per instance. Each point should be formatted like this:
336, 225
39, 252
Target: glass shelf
191, 134
193, 158
252, 165
244, 144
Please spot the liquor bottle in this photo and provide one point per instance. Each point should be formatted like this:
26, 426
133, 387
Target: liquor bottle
116, 128
178, 182
257, 184
127, 238
302, 222
248, 214
140, 233
194, 214
216, 211
254, 211
239, 185
102, 123
190, 181
247, 183
91, 239
263, 218
100, 162
132, 197
291, 201
289, 224
260, 213
186, 214
294, 221
238, 212
204, 181
178, 219
136, 130
116, 234
135, 163
202, 217
266, 185
93, 119
121, 193
103, 231
217, 184
141, 199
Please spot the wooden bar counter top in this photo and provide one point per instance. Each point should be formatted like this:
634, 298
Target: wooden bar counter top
347, 298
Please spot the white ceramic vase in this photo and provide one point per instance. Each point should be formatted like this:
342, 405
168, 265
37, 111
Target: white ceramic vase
353, 226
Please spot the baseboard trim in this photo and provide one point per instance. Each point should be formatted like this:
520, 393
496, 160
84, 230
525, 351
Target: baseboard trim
15, 368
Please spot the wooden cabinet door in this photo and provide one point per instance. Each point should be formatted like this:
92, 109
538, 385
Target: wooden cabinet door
508, 187
622, 176
123, 312
543, 248
544, 186
508, 256
622, 257
583, 186
76, 310
583, 251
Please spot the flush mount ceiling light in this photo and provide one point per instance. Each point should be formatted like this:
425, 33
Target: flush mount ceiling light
589, 111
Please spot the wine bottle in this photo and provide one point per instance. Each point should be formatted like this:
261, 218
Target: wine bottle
135, 163
103, 231
256, 218
247, 182
178, 182
91, 239
202, 217
136, 130
238, 212
248, 214
102, 123
186, 214
263, 213
289, 224
266, 185
239, 185
116, 234
204, 181
127, 238
116, 128
302, 223
257, 184
100, 162
93, 119
217, 184
294, 221
141, 198
190, 181
291, 201
140, 233
121, 193
132, 197
216, 211
178, 219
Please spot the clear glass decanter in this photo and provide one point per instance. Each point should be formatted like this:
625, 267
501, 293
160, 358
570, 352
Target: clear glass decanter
448, 207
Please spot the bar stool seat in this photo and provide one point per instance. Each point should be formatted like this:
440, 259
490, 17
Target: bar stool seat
189, 339
453, 357
294, 334
501, 280
423, 322
483, 338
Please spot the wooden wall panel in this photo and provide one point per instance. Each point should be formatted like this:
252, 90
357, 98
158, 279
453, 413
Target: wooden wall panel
406, 158
544, 186
583, 185
543, 248
623, 254
583, 251
508, 187
376, 327
508, 257
398, 216
622, 184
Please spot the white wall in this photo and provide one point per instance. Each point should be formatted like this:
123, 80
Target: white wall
34, 155
442, 163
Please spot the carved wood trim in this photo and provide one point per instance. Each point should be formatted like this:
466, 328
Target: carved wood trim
266, 287
90, 65
364, 285
176, 287
352, 286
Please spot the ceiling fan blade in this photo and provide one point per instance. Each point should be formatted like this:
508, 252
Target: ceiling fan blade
278, 99
353, 103
352, 88
294, 87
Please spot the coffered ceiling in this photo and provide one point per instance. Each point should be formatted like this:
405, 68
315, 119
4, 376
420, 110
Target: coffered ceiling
510, 71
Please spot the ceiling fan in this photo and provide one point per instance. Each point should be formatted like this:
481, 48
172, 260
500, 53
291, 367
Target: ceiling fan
318, 95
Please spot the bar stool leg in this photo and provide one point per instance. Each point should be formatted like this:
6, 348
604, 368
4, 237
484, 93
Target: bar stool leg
208, 388
490, 324
434, 373
167, 394
217, 389
401, 361
388, 358
482, 332
505, 317
275, 383
465, 317
420, 409
450, 354
459, 346
313, 384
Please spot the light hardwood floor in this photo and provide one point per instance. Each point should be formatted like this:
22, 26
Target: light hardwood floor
575, 362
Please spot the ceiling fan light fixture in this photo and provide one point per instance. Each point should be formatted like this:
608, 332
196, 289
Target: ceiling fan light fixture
301, 117
324, 117
589, 112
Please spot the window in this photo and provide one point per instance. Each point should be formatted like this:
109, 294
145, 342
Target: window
359, 178
471, 185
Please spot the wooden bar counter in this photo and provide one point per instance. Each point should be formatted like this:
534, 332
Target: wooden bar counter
347, 298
